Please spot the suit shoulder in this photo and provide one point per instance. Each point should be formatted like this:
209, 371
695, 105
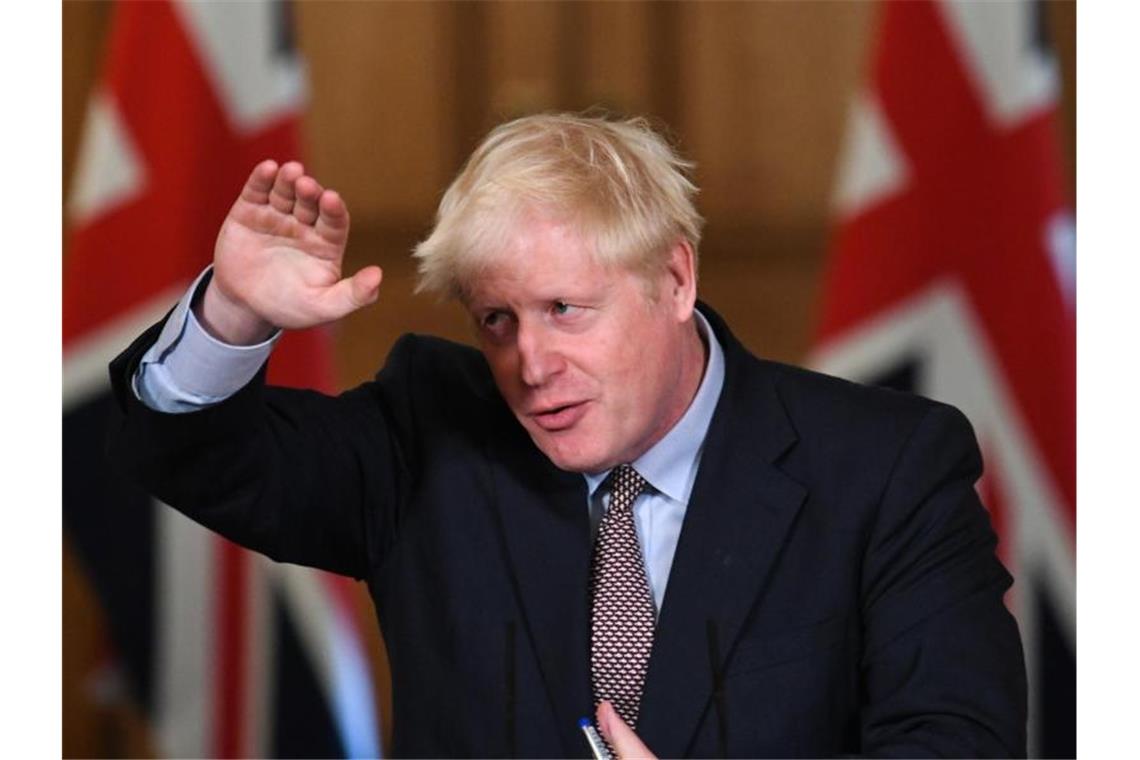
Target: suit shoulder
847, 409
428, 363
854, 442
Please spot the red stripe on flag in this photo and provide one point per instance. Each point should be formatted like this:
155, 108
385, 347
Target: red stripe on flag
976, 209
193, 166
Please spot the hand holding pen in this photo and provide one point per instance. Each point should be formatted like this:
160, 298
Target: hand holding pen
625, 743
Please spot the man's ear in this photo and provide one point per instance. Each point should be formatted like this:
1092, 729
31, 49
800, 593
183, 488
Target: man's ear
681, 279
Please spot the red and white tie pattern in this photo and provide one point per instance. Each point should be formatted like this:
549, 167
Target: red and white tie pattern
623, 611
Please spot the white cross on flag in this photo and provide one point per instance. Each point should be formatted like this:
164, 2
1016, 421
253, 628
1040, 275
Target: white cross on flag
226, 653
951, 274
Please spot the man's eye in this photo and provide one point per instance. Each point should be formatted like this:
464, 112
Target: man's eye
493, 319
561, 307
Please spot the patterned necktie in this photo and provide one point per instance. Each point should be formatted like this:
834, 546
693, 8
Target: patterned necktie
623, 611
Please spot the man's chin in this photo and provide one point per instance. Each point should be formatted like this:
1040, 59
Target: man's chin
566, 456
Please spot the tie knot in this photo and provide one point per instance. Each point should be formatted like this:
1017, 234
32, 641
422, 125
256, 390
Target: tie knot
626, 484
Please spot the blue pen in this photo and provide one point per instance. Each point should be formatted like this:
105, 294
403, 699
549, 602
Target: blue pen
595, 739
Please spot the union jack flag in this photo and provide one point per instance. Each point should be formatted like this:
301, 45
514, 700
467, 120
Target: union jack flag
952, 274
227, 654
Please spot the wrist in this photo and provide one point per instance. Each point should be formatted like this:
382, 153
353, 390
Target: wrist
228, 320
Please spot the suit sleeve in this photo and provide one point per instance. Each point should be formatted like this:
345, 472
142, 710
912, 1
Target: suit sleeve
943, 665
296, 475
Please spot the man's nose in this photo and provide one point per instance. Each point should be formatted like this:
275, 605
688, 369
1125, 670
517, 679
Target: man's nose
539, 358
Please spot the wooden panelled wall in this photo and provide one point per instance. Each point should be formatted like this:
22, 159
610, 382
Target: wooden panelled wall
755, 93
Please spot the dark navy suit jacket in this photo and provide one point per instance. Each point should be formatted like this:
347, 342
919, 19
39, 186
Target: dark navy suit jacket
835, 573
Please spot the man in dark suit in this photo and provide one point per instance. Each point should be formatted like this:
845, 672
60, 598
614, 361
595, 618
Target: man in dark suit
612, 504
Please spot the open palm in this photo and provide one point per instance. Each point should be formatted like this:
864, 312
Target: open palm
278, 258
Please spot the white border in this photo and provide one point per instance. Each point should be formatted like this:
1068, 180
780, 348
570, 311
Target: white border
1108, 379
30, 314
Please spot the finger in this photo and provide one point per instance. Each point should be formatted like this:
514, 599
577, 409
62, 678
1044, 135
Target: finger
351, 293
332, 224
308, 194
627, 745
284, 194
260, 182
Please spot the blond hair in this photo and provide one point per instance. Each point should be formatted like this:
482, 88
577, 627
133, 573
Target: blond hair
618, 182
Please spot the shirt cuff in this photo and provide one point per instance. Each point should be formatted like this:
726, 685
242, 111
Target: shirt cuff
188, 369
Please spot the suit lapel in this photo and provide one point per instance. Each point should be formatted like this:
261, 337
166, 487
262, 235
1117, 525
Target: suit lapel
740, 511
546, 525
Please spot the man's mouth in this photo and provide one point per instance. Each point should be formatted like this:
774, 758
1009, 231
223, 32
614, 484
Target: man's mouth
555, 418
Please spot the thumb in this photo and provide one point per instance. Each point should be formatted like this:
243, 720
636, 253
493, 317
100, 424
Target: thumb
351, 293
366, 285
621, 737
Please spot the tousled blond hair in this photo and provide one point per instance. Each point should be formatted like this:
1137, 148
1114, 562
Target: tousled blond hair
619, 183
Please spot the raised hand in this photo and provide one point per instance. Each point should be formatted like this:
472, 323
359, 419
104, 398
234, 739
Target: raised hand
277, 260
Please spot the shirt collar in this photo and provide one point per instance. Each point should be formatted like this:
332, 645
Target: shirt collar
670, 465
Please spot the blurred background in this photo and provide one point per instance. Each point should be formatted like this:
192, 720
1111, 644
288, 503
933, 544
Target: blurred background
808, 123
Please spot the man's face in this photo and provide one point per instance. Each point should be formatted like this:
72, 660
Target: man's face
594, 369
